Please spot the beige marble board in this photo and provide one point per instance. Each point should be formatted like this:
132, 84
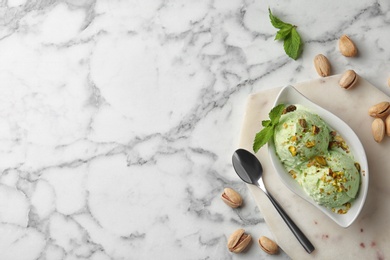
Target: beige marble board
369, 236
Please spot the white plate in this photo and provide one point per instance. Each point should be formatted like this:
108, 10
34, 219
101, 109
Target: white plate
289, 95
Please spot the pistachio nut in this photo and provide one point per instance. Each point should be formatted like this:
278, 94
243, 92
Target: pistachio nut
348, 79
231, 197
239, 241
378, 129
293, 150
289, 109
302, 122
347, 47
387, 125
322, 65
268, 246
381, 109
357, 166
320, 160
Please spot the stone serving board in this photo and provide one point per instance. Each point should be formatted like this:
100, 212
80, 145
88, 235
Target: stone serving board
369, 236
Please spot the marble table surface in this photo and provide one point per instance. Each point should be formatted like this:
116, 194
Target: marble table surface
119, 118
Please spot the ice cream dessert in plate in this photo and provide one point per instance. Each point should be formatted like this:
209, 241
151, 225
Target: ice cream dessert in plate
319, 157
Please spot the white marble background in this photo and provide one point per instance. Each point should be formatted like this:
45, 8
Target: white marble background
119, 118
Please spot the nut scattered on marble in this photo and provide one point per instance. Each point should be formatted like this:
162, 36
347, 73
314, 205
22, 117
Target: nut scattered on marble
378, 129
348, 79
347, 47
387, 125
268, 246
381, 109
322, 65
238, 241
231, 197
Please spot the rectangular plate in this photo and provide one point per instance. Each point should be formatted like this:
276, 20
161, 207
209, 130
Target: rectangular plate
366, 237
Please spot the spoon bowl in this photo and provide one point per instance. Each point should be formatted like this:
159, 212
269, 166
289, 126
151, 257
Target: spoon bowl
247, 166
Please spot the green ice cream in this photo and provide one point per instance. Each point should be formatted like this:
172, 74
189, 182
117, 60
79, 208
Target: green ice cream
331, 180
299, 136
317, 158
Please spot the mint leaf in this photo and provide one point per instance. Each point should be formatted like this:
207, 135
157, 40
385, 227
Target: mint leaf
275, 21
266, 123
283, 33
293, 44
267, 132
276, 113
262, 138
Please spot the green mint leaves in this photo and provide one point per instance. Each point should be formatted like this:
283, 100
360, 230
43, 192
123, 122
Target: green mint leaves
267, 132
292, 40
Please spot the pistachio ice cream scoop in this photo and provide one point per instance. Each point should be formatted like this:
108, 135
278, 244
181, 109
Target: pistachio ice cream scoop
299, 136
331, 180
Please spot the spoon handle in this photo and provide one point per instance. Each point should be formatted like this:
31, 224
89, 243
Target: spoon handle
293, 227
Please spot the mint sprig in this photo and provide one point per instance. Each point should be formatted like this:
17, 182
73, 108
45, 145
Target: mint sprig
267, 132
293, 44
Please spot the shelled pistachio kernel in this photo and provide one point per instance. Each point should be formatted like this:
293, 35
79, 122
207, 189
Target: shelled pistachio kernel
293, 150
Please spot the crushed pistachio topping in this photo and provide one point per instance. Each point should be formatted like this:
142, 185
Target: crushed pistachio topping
315, 129
321, 160
343, 209
338, 142
293, 150
288, 109
293, 174
310, 144
302, 123
357, 165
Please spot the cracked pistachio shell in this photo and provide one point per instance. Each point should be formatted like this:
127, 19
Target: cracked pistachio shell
381, 109
238, 241
231, 197
348, 79
322, 65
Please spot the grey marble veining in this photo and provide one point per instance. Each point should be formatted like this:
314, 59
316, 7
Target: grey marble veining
119, 118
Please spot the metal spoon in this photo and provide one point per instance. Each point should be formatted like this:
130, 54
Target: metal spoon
249, 169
